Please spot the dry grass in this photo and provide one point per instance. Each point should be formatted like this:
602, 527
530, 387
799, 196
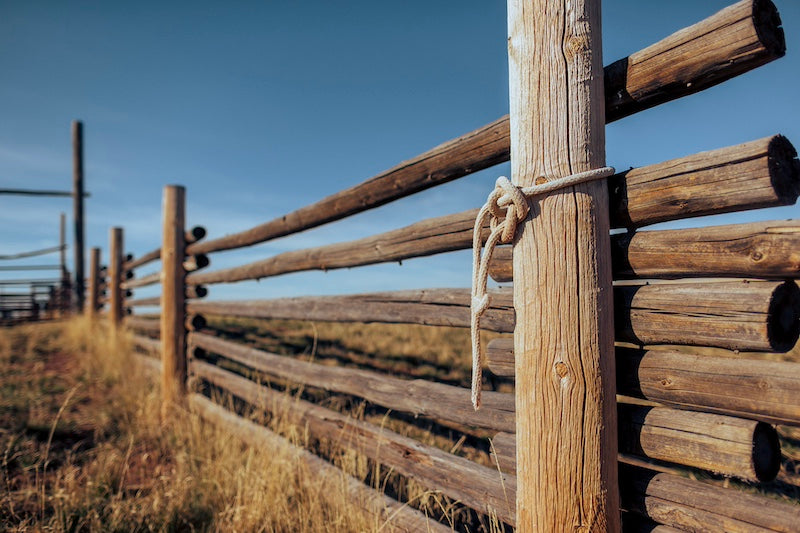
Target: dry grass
84, 450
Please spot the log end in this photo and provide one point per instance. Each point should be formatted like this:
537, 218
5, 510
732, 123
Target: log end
767, 22
766, 452
784, 169
783, 321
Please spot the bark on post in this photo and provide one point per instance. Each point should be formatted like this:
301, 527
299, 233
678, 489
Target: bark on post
77, 202
565, 402
92, 302
173, 297
115, 279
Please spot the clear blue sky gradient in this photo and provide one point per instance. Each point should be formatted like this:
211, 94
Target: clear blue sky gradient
262, 107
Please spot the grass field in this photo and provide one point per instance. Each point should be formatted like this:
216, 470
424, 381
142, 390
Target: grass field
84, 449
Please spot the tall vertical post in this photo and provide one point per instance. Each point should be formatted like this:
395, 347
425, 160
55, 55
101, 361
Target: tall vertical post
77, 204
115, 278
64, 286
93, 300
173, 296
563, 341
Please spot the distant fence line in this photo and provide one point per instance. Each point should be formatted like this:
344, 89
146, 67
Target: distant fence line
680, 404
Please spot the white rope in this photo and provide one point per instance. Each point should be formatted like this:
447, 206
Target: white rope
505, 208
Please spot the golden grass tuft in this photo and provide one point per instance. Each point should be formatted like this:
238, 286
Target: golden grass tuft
84, 450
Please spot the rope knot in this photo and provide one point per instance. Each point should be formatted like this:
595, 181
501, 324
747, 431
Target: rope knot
508, 207
505, 208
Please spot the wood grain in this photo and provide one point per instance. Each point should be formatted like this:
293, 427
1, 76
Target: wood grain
173, 299
716, 49
115, 277
391, 514
418, 396
730, 446
738, 315
767, 250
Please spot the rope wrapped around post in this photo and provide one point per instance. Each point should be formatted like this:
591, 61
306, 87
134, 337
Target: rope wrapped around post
505, 208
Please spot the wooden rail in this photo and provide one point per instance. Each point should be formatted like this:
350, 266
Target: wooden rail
731, 42
760, 173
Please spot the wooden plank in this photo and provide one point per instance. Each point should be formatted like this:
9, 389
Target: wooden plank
418, 396
755, 315
755, 174
752, 175
150, 279
696, 506
722, 46
767, 250
151, 346
92, 301
763, 390
744, 35
149, 325
731, 446
152, 301
115, 277
143, 259
768, 391
478, 487
434, 307
77, 213
564, 335
738, 315
391, 514
173, 299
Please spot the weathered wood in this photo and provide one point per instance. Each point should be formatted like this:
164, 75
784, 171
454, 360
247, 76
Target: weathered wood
149, 325
431, 236
77, 213
745, 35
152, 301
755, 250
726, 445
419, 396
195, 291
710, 53
763, 390
768, 391
173, 300
390, 514
752, 175
115, 278
435, 307
144, 259
696, 506
195, 262
755, 174
33, 253
148, 345
757, 315
564, 334
481, 488
739, 315
150, 279
92, 302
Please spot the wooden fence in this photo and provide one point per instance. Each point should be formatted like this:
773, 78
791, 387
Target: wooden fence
606, 405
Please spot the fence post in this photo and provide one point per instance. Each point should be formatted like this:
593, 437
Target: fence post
173, 297
115, 279
564, 337
94, 284
77, 200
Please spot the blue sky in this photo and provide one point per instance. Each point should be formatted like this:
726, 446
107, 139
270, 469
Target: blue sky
260, 108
